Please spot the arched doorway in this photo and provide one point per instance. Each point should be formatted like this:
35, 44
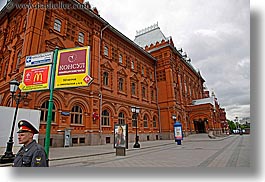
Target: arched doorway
199, 126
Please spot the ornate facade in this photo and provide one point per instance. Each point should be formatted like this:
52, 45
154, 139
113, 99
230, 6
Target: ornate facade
158, 78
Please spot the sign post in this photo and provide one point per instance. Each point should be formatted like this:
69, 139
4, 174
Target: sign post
70, 69
42, 73
50, 106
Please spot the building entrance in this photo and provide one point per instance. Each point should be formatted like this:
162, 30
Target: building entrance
199, 126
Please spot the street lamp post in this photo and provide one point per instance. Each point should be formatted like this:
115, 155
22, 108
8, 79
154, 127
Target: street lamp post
135, 111
8, 157
174, 117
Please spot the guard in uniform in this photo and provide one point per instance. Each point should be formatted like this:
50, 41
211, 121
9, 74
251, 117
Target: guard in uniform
31, 154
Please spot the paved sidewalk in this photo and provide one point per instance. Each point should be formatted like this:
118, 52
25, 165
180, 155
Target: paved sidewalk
61, 153
196, 150
77, 151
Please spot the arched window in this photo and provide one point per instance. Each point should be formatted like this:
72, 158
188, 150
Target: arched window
12, 34
133, 89
142, 70
81, 37
132, 65
24, 24
121, 119
145, 121
106, 51
105, 118
151, 75
76, 115
120, 59
154, 121
57, 25
120, 84
143, 92
18, 60
44, 112
152, 95
106, 78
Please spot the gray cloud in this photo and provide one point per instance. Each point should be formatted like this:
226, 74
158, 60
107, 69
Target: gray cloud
2, 3
215, 35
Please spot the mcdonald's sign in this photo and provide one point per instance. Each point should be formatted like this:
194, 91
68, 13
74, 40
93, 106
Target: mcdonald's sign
36, 78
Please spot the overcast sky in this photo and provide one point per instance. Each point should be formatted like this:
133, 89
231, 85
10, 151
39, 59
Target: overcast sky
214, 33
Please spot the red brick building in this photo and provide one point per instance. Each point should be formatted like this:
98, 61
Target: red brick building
158, 78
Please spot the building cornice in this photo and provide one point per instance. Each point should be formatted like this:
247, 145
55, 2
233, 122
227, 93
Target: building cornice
8, 8
177, 52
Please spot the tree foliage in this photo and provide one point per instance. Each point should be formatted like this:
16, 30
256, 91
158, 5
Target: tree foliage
232, 125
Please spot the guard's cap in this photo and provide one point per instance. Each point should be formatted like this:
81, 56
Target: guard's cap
26, 126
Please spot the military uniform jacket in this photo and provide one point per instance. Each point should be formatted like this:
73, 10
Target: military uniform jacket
32, 155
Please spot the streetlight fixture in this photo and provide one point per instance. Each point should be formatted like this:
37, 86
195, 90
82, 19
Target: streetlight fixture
174, 117
136, 111
13, 86
236, 123
8, 157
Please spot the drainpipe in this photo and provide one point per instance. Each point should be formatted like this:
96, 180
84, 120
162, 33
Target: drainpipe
158, 105
99, 80
27, 16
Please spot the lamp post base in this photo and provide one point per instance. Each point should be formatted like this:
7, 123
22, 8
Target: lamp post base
136, 145
7, 158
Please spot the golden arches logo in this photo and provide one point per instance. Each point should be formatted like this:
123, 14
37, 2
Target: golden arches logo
37, 77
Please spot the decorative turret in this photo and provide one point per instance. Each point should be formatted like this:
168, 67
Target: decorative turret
213, 94
87, 4
146, 30
95, 10
151, 37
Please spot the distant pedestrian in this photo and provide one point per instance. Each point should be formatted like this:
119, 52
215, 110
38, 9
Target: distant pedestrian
31, 154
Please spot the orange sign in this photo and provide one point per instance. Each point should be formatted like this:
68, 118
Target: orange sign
36, 78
